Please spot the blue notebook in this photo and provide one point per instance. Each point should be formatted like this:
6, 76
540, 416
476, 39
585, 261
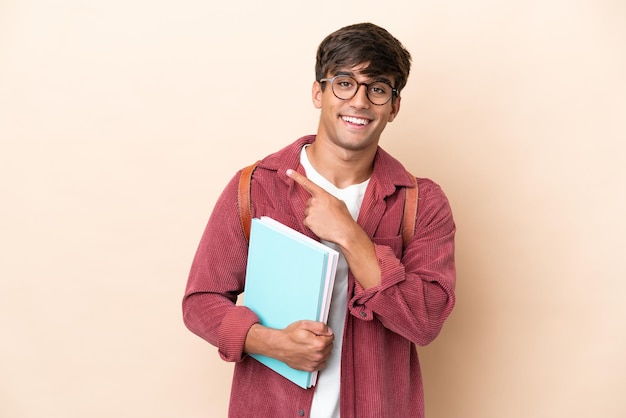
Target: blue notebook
289, 277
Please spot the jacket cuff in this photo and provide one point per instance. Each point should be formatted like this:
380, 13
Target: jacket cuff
233, 332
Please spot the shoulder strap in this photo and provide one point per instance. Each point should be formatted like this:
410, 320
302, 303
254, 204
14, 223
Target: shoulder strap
245, 208
411, 196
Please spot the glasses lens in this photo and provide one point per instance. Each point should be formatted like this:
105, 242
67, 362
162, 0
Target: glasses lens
345, 87
379, 93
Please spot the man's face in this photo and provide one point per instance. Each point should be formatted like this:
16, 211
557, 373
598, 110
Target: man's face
356, 123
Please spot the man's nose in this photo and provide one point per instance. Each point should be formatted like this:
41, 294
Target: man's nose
360, 99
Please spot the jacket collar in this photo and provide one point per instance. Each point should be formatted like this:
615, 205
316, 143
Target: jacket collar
388, 174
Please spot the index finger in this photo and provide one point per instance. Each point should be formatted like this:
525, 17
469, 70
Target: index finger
303, 181
317, 328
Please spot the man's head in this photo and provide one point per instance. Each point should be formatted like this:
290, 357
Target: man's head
364, 43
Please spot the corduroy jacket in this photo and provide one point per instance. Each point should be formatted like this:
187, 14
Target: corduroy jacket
380, 372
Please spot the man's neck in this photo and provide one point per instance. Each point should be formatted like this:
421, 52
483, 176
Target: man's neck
341, 167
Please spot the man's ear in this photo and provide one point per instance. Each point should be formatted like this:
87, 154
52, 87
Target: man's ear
317, 94
395, 108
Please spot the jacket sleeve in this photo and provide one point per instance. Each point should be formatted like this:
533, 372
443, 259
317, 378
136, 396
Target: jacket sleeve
416, 293
217, 277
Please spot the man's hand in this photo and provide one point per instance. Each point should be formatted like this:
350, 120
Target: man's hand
307, 345
325, 215
303, 345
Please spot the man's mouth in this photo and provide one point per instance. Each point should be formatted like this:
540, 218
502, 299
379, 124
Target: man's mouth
355, 120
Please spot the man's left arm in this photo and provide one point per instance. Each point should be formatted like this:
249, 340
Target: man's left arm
413, 295
416, 292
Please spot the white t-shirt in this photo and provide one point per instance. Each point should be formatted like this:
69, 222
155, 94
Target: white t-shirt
326, 397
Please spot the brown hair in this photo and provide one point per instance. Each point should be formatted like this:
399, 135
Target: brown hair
364, 43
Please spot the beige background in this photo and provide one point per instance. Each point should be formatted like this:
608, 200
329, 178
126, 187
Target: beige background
121, 121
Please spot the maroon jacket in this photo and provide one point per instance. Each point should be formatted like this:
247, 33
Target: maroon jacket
380, 372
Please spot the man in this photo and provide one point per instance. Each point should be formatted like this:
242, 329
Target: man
339, 187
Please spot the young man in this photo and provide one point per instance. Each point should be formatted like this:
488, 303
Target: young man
339, 187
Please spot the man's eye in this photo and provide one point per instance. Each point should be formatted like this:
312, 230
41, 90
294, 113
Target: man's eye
378, 89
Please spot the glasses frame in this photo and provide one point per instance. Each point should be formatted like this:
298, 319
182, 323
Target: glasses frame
394, 91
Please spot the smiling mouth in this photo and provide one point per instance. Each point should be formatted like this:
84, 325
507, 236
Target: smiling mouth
355, 121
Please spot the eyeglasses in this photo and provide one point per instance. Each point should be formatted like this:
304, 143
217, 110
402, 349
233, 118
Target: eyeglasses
345, 87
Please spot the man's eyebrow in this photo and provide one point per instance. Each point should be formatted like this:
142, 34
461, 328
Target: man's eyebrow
383, 79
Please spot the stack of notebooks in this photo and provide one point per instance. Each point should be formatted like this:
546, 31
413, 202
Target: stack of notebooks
290, 277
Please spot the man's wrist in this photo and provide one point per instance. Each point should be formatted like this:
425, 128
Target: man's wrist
259, 340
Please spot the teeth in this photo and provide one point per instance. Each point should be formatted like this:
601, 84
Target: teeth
357, 121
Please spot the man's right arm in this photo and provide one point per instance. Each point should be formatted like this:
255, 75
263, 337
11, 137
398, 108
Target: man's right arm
216, 279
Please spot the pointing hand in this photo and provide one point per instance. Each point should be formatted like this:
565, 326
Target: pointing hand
325, 215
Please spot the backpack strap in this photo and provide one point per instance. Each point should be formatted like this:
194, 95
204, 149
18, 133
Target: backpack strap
245, 206
409, 214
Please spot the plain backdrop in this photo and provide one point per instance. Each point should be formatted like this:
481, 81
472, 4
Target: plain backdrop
121, 122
